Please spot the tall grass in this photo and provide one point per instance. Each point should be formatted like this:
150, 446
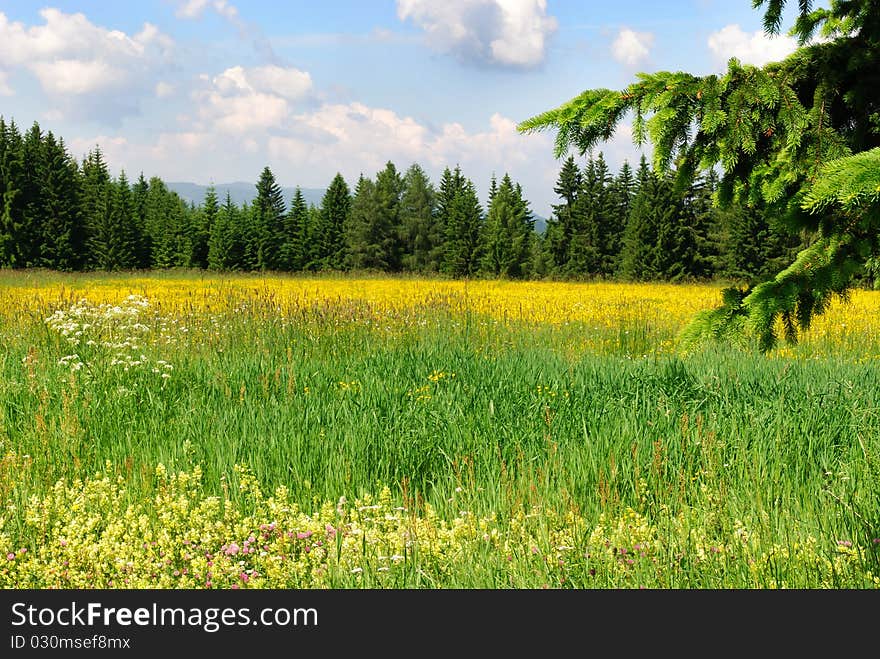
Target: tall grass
721, 468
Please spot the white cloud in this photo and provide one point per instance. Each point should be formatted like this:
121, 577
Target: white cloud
194, 9
72, 76
191, 8
73, 58
749, 47
632, 48
288, 82
5, 89
307, 148
241, 100
116, 149
509, 33
355, 138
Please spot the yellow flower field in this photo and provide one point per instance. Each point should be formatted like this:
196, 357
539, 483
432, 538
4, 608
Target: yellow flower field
656, 309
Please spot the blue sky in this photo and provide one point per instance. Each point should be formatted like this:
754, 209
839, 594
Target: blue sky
214, 90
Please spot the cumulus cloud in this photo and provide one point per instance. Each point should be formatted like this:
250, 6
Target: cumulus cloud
308, 147
90, 67
195, 8
506, 33
749, 47
246, 99
355, 138
632, 48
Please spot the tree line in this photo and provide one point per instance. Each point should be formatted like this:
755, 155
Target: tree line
58, 213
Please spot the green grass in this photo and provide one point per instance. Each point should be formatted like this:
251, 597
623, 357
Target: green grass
510, 421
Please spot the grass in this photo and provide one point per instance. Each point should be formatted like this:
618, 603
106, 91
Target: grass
446, 443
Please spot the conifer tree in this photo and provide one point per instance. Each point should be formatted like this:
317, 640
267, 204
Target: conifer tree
62, 243
463, 227
385, 230
96, 197
584, 248
139, 192
329, 235
418, 221
637, 262
113, 238
9, 139
623, 191
780, 132
268, 222
506, 241
450, 184
360, 248
163, 217
295, 250
312, 247
226, 244
31, 187
561, 226
204, 219
609, 225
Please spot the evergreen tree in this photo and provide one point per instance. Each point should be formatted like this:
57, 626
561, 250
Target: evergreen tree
561, 225
295, 249
792, 134
675, 251
268, 220
386, 228
182, 221
226, 244
373, 234
584, 248
360, 252
506, 244
609, 225
249, 231
139, 192
113, 238
418, 221
702, 216
637, 260
165, 216
96, 196
312, 249
623, 193
9, 138
525, 235
753, 247
203, 225
463, 226
450, 184
62, 243
329, 234
31, 188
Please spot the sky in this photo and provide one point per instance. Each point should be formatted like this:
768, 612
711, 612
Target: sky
213, 91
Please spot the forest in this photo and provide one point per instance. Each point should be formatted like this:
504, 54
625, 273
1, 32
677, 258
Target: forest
65, 214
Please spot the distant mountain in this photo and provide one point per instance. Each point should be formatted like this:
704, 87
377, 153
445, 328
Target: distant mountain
540, 223
240, 192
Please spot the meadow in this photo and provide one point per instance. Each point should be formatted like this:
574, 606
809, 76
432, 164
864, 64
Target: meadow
181, 430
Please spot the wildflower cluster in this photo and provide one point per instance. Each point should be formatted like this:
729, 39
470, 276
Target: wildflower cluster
89, 534
111, 335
